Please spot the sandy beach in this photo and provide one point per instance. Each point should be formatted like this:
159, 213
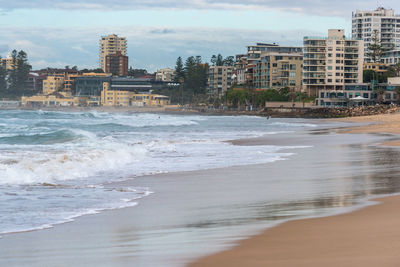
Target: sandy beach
366, 237
386, 123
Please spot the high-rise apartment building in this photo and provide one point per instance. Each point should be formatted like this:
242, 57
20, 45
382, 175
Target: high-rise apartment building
278, 70
111, 45
117, 64
219, 80
254, 55
331, 62
385, 24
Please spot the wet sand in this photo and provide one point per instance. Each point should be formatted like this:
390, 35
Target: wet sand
366, 237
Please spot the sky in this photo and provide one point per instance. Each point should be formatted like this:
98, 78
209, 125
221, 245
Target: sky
57, 33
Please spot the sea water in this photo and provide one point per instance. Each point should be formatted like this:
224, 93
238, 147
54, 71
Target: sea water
54, 166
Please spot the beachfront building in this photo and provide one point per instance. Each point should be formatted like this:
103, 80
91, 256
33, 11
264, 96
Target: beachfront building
241, 69
278, 70
117, 64
359, 94
111, 45
34, 83
53, 83
219, 80
331, 63
125, 98
386, 24
165, 75
55, 99
254, 55
91, 84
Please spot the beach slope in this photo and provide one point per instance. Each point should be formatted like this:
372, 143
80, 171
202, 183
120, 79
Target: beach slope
367, 237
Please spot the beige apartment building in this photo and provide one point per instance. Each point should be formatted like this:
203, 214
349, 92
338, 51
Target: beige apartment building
254, 55
278, 70
53, 83
219, 80
7, 63
165, 75
111, 45
331, 63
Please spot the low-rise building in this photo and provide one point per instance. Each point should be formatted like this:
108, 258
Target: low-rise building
124, 98
165, 75
54, 99
376, 66
358, 94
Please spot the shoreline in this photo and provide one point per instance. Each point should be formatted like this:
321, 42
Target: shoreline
366, 236
87, 222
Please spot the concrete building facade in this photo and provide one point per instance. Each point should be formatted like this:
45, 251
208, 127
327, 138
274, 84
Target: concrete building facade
219, 80
117, 64
278, 70
110, 45
331, 62
387, 26
254, 55
165, 75
53, 83
124, 98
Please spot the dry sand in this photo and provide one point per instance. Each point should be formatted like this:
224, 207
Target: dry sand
387, 123
367, 237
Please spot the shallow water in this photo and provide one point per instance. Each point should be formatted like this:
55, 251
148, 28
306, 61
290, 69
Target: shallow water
55, 166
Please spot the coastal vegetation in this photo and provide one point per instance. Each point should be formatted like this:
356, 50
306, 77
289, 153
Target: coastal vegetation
13, 80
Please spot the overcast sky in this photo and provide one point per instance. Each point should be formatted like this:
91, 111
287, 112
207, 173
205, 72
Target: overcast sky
56, 33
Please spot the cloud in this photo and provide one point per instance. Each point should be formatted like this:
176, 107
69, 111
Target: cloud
318, 7
148, 47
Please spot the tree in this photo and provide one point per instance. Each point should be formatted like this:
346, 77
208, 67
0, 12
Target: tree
395, 70
303, 97
136, 72
98, 70
220, 60
19, 72
179, 71
229, 61
13, 73
3, 81
213, 60
375, 49
23, 69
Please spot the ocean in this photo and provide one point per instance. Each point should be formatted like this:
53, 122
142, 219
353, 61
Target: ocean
57, 166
